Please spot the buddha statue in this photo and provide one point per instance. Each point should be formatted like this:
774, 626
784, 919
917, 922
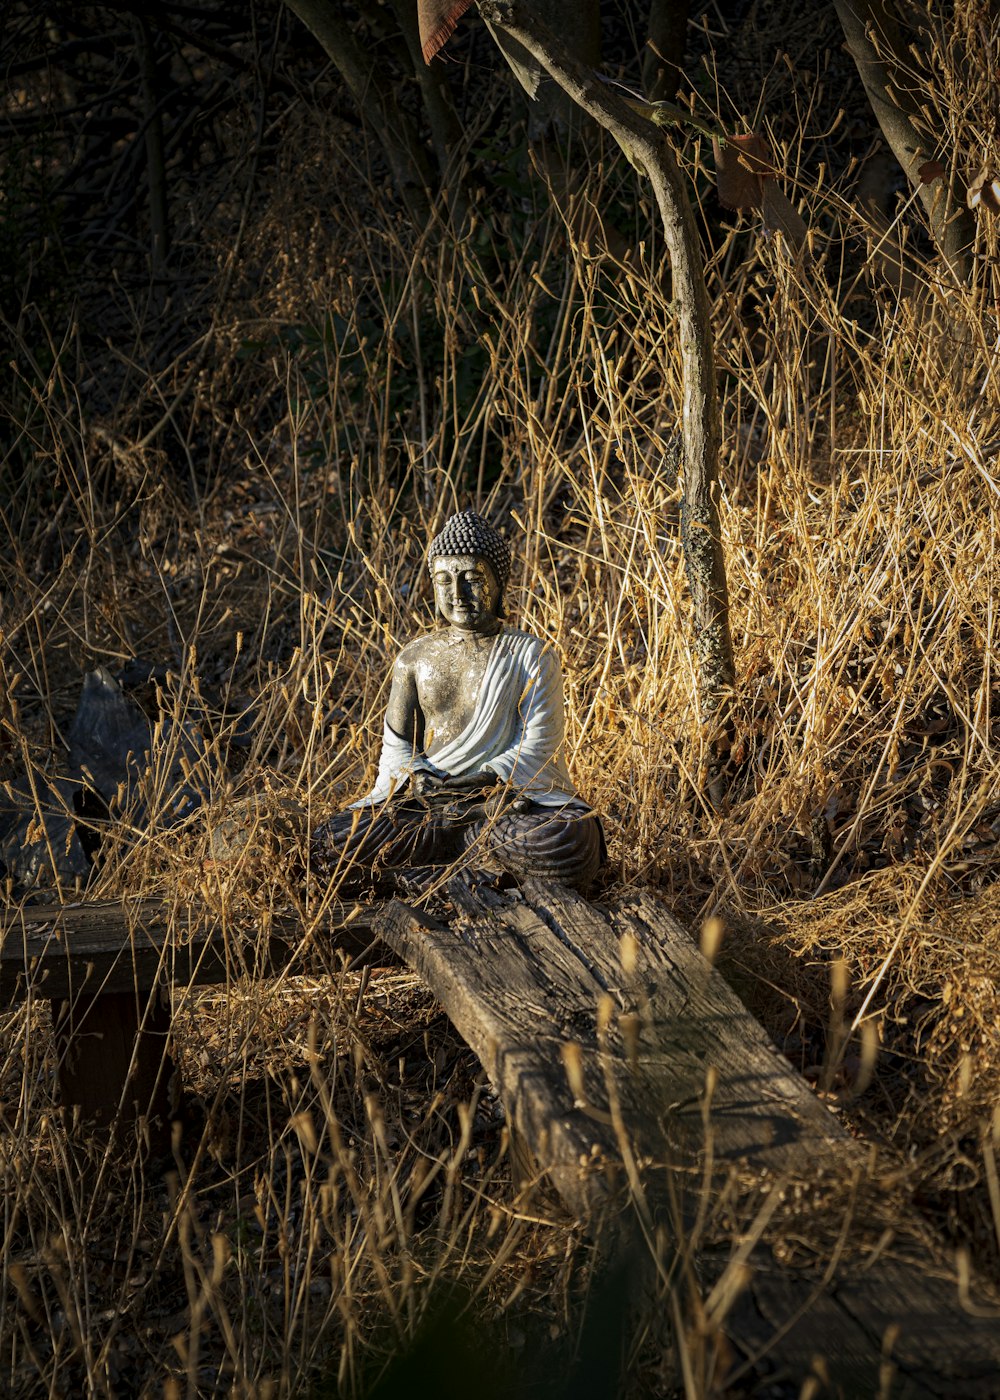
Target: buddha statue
471, 768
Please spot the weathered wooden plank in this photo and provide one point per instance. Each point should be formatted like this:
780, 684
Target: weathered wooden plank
687, 1026
525, 978
516, 1000
900, 1317
763, 1312
522, 978
60, 951
110, 971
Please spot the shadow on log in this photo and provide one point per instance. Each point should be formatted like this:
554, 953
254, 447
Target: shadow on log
647, 1092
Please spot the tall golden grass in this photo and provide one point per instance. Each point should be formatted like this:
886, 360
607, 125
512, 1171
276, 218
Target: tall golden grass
344, 1157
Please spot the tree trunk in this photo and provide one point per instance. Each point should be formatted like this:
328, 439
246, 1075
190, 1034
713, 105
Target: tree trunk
375, 98
646, 145
952, 226
446, 132
578, 22
663, 60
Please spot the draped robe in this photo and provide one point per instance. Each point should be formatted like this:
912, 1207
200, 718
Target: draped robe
516, 730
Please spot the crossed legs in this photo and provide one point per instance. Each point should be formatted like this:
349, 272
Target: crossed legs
366, 845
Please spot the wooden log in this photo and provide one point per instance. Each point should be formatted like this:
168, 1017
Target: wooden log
524, 981
623, 1058
58, 951
110, 972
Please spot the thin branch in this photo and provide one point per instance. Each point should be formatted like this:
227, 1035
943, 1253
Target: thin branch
875, 44
646, 148
374, 96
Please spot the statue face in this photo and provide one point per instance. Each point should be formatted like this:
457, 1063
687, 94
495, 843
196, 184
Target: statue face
466, 592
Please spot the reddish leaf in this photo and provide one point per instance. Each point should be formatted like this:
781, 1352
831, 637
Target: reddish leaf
930, 171
741, 167
436, 20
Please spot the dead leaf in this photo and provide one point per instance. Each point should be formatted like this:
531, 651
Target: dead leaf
781, 216
985, 189
742, 166
436, 20
930, 171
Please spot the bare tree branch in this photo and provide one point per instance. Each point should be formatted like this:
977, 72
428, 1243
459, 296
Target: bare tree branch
375, 99
663, 60
647, 147
871, 32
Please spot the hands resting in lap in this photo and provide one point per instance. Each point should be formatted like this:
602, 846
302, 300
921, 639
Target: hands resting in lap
496, 797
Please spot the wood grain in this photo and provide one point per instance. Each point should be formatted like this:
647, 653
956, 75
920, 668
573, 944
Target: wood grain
62, 951
671, 1084
112, 972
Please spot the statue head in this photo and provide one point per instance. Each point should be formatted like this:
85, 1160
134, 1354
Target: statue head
469, 564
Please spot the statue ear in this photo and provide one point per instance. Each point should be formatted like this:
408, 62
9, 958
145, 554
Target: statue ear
501, 611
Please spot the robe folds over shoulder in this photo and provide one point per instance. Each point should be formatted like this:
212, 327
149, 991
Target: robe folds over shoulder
516, 730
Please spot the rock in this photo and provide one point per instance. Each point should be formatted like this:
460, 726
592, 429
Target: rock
273, 826
39, 843
113, 746
109, 737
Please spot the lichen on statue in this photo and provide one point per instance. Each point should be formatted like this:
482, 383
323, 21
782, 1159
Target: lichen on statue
471, 768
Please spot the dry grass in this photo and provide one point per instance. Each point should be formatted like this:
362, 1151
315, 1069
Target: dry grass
341, 1157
